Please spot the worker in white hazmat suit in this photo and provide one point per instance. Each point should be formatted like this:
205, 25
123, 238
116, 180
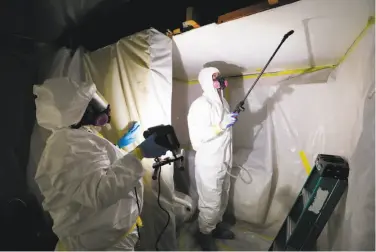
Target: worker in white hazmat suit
92, 189
209, 123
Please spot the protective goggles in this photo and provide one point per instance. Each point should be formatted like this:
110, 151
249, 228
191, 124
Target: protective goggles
100, 110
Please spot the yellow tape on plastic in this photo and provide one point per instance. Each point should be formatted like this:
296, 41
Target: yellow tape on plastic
274, 74
371, 21
289, 72
305, 162
267, 238
264, 237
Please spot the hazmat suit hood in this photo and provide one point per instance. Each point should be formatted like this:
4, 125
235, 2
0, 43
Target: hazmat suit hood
206, 81
61, 102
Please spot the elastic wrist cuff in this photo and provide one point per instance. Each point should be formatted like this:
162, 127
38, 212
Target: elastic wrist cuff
217, 129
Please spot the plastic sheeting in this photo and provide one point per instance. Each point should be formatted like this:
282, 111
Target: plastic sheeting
354, 80
135, 76
288, 114
62, 65
324, 29
284, 115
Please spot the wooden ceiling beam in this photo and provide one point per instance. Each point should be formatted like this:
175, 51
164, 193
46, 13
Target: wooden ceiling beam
253, 9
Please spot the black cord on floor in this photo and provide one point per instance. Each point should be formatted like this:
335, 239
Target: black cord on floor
160, 206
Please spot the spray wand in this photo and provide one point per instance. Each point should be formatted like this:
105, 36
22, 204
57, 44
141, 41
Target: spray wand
240, 105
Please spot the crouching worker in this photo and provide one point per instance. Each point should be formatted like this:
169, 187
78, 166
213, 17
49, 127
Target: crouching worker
92, 189
210, 129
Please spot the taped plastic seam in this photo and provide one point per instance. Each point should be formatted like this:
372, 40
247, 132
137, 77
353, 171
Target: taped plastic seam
370, 22
135, 77
285, 115
270, 74
351, 227
305, 162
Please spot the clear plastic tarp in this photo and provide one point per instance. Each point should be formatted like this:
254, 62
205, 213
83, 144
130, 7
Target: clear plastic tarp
319, 112
135, 76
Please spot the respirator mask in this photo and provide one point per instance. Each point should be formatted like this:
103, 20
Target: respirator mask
220, 82
97, 113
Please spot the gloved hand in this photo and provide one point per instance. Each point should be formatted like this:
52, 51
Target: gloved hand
150, 149
228, 120
130, 136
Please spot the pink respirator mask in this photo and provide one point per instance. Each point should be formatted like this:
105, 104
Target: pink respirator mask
220, 83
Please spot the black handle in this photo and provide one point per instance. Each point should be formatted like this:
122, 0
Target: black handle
288, 34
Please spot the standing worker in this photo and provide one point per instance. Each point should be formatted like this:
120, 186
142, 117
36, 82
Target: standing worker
92, 189
209, 124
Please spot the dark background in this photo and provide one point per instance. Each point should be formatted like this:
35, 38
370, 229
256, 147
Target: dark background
109, 22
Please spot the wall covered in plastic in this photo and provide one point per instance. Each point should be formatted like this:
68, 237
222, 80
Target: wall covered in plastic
324, 30
135, 76
320, 112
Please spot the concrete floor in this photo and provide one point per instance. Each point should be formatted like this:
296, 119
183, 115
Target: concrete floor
245, 240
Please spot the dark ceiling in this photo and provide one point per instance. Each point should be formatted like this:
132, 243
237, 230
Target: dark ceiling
109, 22
97, 23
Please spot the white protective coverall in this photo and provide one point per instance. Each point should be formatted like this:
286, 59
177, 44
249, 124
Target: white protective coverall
87, 182
213, 152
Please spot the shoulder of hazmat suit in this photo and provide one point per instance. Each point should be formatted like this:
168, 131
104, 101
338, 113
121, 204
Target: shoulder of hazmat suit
87, 182
213, 148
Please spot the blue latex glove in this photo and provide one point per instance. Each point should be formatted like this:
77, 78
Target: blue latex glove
129, 137
150, 149
229, 120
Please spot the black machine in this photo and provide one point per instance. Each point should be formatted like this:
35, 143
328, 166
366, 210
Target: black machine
165, 137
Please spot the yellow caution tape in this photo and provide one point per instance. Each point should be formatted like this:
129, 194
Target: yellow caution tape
273, 74
371, 21
181, 243
137, 223
100, 135
60, 247
305, 162
265, 237
289, 72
